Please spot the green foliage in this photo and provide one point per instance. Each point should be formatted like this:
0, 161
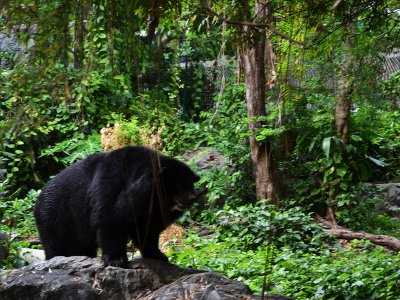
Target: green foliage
312, 118
361, 210
224, 129
14, 260
380, 130
363, 273
223, 184
29, 122
341, 166
16, 219
86, 64
253, 225
71, 150
377, 223
19, 212
390, 88
132, 132
345, 274
224, 258
357, 206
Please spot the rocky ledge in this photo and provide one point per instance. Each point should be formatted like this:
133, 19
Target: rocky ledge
85, 278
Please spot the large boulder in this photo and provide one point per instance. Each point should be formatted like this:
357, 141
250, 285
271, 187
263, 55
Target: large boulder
390, 194
86, 278
205, 158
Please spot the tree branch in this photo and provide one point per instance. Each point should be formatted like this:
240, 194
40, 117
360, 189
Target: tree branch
250, 24
346, 234
382, 240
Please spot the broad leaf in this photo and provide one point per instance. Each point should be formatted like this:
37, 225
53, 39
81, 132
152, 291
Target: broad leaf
341, 171
377, 161
326, 145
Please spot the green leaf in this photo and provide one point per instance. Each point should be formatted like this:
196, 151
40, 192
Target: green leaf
341, 171
315, 192
311, 146
356, 138
343, 186
337, 158
340, 143
329, 171
326, 145
377, 161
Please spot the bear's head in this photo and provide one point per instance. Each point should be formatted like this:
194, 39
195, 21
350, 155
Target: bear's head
179, 182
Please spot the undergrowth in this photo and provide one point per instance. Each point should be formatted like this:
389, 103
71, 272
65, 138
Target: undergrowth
304, 263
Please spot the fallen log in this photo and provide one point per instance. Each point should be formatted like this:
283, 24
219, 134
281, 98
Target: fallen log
340, 232
382, 240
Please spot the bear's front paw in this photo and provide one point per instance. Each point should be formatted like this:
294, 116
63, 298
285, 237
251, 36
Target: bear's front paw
120, 262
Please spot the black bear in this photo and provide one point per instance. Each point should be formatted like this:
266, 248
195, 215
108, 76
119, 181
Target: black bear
108, 198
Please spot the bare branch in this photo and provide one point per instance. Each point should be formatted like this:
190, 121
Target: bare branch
336, 4
250, 24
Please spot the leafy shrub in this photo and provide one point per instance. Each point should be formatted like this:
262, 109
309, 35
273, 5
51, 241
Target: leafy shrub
327, 274
364, 212
380, 130
259, 224
223, 257
71, 150
18, 220
18, 213
357, 205
345, 274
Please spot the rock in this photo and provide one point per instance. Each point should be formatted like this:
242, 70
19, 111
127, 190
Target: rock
3, 184
3, 174
391, 198
3, 245
390, 192
32, 255
205, 158
8, 48
86, 278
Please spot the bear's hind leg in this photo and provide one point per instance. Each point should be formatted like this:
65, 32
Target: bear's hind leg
54, 245
65, 242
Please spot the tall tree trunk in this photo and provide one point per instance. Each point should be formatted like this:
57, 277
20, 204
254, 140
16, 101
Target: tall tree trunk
343, 99
255, 80
345, 86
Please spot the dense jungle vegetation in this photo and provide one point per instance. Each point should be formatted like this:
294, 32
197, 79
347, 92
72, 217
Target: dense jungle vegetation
301, 98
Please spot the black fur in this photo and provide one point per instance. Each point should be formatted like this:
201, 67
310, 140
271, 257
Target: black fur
109, 198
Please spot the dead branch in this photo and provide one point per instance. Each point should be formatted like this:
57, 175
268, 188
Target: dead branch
382, 240
343, 233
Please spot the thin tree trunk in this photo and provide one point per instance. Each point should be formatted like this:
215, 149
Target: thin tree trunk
343, 98
81, 15
255, 80
345, 87
343, 102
